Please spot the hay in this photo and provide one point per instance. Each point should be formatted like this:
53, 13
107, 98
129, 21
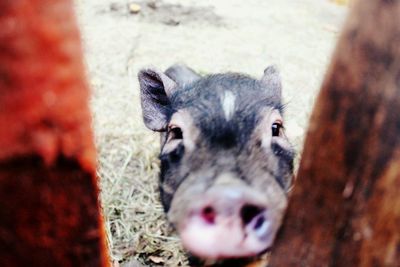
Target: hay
135, 221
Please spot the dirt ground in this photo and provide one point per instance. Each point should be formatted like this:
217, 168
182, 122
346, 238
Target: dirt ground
210, 36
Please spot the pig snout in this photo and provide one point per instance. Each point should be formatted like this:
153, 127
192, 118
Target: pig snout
228, 222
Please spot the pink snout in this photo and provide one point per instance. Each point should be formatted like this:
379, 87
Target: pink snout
229, 222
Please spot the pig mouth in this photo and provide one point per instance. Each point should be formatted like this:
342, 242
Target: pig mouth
227, 238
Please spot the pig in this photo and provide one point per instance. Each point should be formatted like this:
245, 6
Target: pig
226, 163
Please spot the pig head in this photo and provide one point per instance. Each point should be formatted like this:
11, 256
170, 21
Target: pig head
226, 164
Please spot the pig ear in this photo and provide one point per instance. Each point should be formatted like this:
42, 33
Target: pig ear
155, 90
272, 81
182, 74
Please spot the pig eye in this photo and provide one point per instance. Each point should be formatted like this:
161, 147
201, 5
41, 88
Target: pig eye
174, 133
276, 128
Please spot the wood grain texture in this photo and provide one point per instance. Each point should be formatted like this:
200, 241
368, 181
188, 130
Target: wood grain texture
49, 209
345, 208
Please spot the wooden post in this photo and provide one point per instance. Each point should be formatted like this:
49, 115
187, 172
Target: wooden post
49, 209
345, 208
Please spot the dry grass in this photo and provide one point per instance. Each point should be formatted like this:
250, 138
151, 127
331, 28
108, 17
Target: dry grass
134, 217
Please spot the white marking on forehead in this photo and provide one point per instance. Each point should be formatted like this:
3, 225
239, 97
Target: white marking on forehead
228, 104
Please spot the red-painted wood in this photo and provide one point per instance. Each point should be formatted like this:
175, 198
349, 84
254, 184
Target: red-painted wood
49, 208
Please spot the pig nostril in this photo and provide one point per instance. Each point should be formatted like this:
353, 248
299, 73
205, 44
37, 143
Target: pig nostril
208, 214
249, 212
259, 222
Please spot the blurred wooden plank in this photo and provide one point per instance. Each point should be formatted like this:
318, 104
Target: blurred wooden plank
49, 210
345, 208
